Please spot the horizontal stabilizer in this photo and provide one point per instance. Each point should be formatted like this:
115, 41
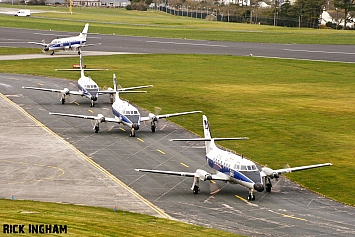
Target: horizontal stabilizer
85, 69
120, 92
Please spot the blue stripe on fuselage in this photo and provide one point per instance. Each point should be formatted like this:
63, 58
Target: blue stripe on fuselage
124, 118
86, 92
64, 44
225, 170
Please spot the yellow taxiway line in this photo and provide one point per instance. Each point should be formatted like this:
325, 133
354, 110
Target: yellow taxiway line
90, 161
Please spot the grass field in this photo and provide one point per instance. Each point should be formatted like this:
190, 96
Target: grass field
161, 24
93, 221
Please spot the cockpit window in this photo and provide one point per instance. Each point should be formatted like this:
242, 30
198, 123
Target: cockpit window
243, 167
253, 167
135, 112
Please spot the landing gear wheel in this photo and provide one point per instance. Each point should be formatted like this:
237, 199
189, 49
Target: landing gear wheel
196, 189
268, 187
97, 129
132, 134
251, 197
153, 128
52, 52
63, 101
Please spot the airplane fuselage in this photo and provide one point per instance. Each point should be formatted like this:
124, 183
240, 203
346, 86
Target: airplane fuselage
88, 87
126, 113
239, 170
65, 43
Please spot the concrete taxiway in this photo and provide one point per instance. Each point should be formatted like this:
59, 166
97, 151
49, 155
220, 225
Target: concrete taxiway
288, 210
39, 165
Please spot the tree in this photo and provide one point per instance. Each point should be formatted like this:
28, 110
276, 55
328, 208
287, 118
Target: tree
347, 6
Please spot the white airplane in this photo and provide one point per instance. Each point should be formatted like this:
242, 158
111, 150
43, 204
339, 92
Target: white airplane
68, 43
125, 113
230, 167
86, 86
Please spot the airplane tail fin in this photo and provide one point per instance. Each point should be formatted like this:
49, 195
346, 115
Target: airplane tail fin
84, 33
115, 87
207, 133
81, 65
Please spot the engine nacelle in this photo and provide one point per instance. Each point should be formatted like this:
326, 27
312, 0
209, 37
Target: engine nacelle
152, 117
66, 91
203, 175
270, 173
101, 118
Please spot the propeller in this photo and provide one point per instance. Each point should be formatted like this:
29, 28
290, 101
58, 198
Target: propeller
214, 189
101, 119
65, 92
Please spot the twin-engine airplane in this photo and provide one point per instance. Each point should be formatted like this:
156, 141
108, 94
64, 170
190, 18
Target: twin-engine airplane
231, 168
68, 43
125, 113
86, 86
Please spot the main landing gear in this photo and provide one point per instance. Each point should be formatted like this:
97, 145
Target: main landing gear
268, 184
153, 126
62, 99
196, 185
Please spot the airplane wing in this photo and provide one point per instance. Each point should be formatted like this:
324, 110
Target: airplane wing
121, 92
266, 171
84, 45
168, 115
289, 170
187, 174
54, 90
209, 139
98, 117
43, 44
176, 114
203, 175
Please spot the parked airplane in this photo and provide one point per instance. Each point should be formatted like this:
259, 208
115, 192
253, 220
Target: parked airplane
87, 87
68, 43
125, 113
230, 167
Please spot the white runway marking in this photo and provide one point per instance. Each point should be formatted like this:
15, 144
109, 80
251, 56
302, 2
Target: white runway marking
317, 51
193, 44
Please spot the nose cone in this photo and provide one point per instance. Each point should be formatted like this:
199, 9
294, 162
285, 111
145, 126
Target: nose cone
259, 187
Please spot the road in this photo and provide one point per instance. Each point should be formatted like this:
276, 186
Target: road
129, 44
